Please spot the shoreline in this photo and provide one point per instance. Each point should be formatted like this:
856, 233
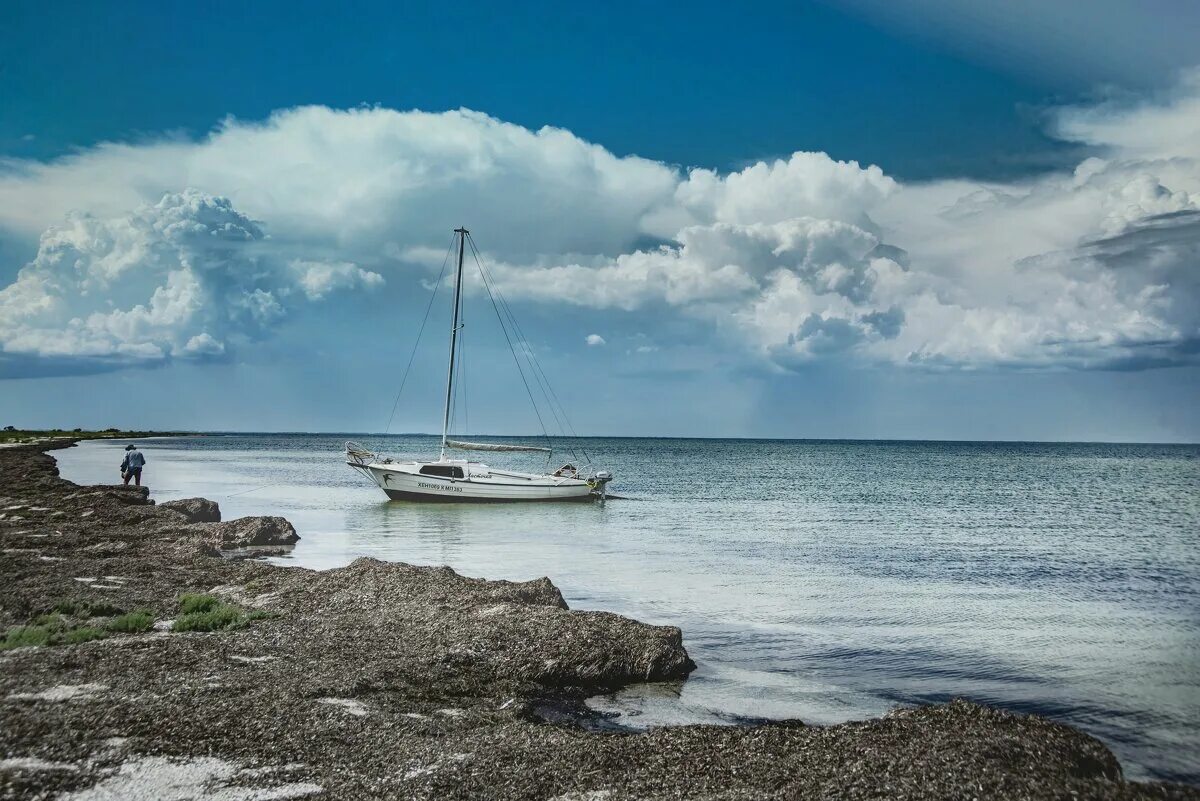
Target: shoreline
388, 679
60, 438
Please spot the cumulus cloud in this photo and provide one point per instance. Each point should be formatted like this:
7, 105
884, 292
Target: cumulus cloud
800, 259
361, 181
319, 278
810, 258
595, 340
186, 277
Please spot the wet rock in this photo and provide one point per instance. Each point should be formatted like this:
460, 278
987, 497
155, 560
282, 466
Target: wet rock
195, 510
246, 532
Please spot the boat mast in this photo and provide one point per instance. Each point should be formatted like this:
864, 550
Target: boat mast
462, 244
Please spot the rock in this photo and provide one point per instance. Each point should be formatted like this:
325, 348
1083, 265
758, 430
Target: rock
251, 531
131, 496
431, 621
196, 510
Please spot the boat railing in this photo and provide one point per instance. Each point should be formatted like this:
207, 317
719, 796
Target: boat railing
359, 455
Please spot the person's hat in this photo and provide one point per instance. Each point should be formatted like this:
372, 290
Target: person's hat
129, 447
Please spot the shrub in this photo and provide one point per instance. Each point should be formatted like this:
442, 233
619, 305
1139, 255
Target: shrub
86, 609
68, 607
51, 621
132, 622
221, 616
21, 636
191, 602
83, 634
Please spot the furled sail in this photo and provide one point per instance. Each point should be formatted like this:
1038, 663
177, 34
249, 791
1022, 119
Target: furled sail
492, 446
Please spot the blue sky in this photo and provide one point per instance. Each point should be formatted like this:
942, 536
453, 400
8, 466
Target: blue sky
806, 220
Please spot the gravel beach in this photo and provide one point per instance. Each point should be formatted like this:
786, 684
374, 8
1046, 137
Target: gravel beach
149, 656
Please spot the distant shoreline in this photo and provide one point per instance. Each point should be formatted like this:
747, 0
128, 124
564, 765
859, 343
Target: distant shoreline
11, 436
822, 440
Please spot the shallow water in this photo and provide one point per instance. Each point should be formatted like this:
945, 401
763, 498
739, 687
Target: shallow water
820, 580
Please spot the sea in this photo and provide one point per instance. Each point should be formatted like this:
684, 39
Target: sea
821, 580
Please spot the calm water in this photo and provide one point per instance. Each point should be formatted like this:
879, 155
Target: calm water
820, 580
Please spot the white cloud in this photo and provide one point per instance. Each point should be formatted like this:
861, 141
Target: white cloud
358, 181
803, 258
805, 185
319, 278
1092, 268
183, 278
595, 340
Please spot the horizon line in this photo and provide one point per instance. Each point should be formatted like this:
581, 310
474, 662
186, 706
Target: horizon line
235, 432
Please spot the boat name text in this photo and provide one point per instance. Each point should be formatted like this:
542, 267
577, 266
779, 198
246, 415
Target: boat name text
425, 485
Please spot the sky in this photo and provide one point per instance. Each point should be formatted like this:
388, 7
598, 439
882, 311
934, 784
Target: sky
838, 219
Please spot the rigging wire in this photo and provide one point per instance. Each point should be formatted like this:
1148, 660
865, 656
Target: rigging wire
540, 377
531, 358
543, 381
395, 404
504, 328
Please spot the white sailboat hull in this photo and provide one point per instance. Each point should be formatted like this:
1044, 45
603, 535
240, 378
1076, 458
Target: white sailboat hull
404, 482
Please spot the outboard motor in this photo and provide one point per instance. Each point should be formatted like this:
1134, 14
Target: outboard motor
600, 481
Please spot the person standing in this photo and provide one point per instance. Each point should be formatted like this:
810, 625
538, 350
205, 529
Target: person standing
131, 466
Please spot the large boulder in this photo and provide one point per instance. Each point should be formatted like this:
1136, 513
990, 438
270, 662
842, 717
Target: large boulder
196, 510
466, 632
248, 532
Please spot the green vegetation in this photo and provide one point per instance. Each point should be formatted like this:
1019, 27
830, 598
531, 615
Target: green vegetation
83, 634
132, 622
198, 612
85, 609
191, 602
69, 607
12, 434
54, 632
70, 622
22, 636
224, 616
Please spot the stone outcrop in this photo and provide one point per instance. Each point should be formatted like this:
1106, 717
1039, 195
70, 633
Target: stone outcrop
248, 532
195, 510
433, 622
130, 495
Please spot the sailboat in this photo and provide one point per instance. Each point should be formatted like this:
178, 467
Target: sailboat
462, 480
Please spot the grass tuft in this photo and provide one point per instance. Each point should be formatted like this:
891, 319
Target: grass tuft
192, 602
22, 636
69, 607
132, 622
85, 609
222, 616
83, 634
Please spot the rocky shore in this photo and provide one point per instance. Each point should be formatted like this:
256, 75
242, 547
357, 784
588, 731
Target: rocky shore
147, 658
